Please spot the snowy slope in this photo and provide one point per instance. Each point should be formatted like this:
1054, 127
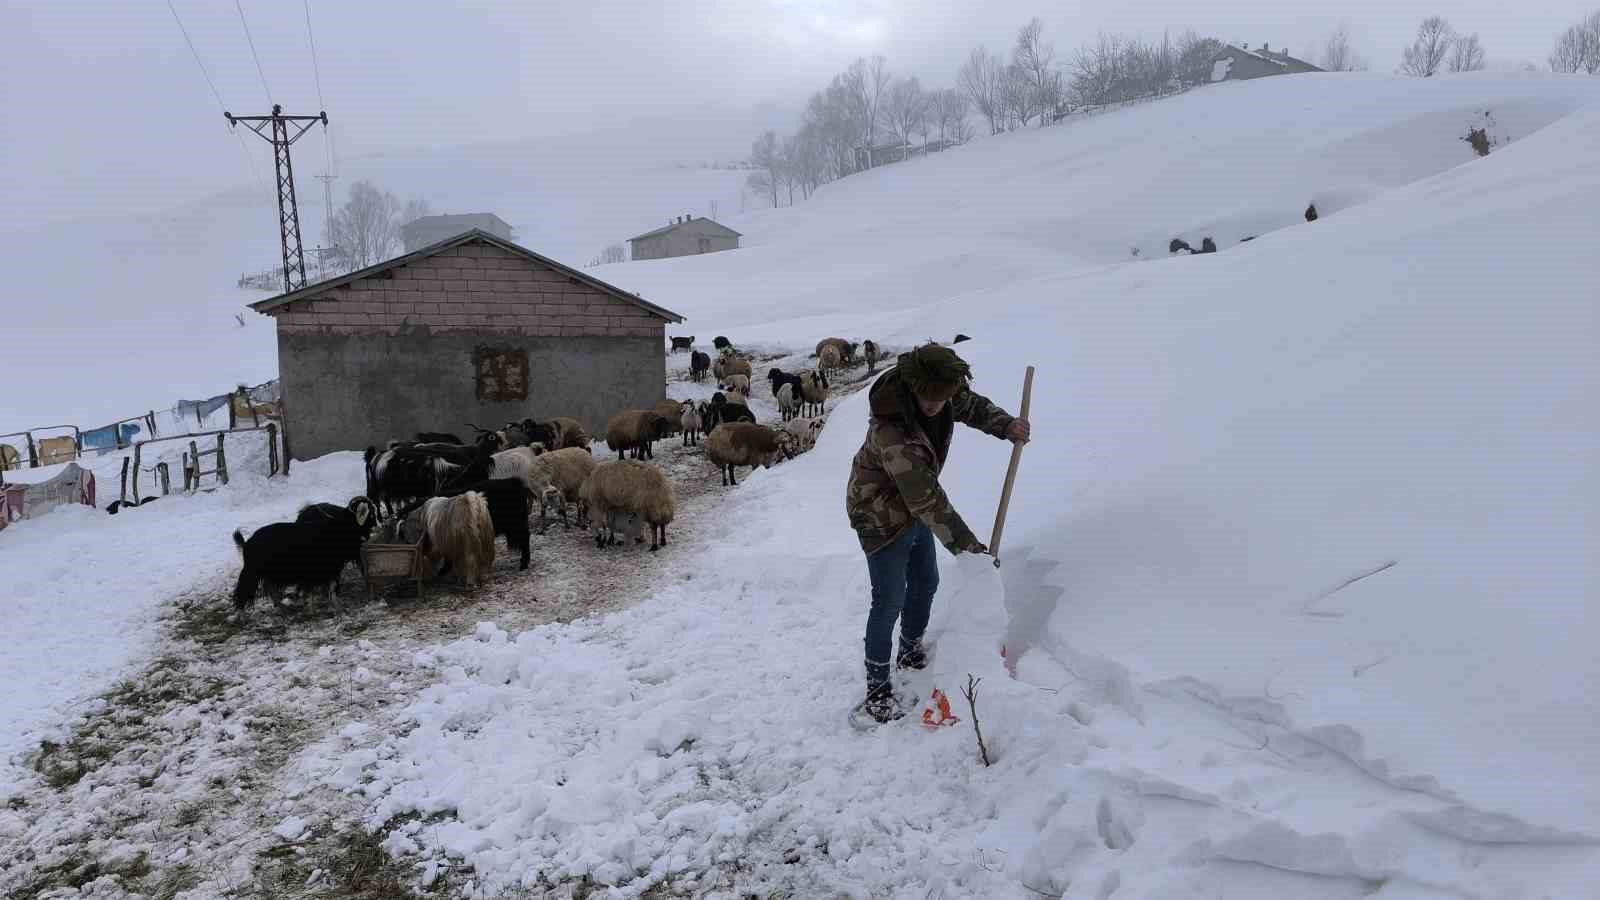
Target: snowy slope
1297, 572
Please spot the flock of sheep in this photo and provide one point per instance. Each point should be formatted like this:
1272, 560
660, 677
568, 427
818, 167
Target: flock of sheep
452, 498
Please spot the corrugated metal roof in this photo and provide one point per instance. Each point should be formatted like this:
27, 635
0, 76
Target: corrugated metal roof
475, 235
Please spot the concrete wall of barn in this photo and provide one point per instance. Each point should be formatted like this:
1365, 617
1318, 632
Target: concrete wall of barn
350, 391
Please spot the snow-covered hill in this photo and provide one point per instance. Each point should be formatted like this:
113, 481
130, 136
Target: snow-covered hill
1299, 566
1297, 572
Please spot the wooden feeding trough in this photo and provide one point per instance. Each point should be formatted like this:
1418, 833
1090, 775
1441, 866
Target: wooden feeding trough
393, 562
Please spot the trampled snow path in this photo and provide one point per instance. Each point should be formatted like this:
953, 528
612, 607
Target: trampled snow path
176, 780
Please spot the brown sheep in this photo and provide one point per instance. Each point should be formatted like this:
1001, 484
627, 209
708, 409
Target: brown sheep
731, 365
636, 431
571, 433
870, 350
813, 393
459, 531
846, 350
829, 359
568, 468
672, 412
629, 486
737, 382
745, 444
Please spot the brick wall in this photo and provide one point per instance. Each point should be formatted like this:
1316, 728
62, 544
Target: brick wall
475, 287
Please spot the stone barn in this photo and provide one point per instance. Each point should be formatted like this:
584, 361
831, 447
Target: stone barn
473, 329
684, 236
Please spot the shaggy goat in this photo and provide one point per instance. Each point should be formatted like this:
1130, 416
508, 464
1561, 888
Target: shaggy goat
460, 531
507, 499
744, 444
682, 343
699, 363
301, 555
566, 432
721, 411
721, 343
777, 378
630, 486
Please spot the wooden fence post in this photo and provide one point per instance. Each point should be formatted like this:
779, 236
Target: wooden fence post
150, 420
222, 461
272, 449
233, 412
194, 465
166, 478
283, 418
125, 461
33, 452
137, 450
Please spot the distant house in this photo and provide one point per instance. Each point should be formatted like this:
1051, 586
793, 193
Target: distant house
684, 236
429, 230
1240, 63
471, 329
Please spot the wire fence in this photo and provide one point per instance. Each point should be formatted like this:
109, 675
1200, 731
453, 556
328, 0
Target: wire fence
49, 445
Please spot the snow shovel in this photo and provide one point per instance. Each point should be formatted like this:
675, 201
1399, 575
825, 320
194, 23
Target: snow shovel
980, 618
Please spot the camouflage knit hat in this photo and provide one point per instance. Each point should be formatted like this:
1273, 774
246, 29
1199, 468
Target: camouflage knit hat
933, 372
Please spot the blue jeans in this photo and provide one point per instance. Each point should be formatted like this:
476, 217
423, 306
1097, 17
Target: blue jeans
905, 575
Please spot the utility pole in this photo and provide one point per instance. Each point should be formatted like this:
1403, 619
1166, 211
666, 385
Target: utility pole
327, 179
294, 261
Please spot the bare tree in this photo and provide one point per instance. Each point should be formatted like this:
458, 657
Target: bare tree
1466, 54
613, 253
981, 79
1097, 71
1578, 48
867, 82
1194, 57
1427, 53
1337, 54
949, 113
765, 156
366, 230
905, 108
1033, 64
416, 208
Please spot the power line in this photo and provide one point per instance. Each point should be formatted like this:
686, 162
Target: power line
316, 71
196, 53
249, 160
253, 54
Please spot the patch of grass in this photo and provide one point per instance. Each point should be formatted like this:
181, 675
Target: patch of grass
208, 622
173, 881
75, 872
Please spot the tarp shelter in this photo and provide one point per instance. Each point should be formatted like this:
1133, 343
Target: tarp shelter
73, 484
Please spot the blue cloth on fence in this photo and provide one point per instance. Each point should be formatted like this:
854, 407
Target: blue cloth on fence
186, 408
106, 438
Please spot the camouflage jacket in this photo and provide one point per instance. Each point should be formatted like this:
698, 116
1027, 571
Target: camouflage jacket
895, 476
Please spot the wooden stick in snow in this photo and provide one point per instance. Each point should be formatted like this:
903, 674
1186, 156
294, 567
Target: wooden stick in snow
1011, 474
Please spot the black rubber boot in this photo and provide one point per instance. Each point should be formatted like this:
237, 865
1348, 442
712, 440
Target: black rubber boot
911, 655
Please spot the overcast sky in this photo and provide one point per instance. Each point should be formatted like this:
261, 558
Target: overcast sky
105, 109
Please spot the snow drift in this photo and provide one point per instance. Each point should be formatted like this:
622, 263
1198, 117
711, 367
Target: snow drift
1297, 572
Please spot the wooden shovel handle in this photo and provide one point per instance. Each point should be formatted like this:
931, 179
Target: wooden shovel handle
1011, 474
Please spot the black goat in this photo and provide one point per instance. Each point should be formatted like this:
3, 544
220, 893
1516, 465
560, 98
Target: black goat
436, 437
402, 474
1311, 213
721, 343
360, 514
721, 411
682, 343
302, 555
699, 365
778, 378
508, 508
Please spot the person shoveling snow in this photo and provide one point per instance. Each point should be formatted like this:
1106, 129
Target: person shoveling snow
898, 509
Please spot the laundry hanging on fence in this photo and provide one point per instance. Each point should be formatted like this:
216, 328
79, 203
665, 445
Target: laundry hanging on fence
110, 437
199, 409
